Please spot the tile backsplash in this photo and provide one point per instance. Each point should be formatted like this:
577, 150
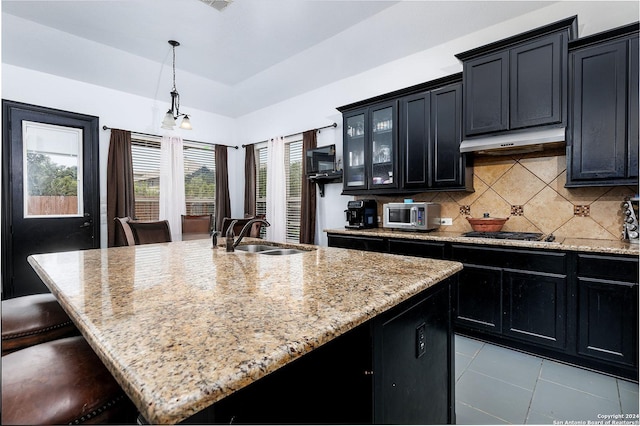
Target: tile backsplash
529, 190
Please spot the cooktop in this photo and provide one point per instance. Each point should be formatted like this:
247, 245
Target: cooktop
503, 235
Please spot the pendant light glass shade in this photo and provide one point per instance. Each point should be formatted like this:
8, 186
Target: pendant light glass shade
186, 123
169, 122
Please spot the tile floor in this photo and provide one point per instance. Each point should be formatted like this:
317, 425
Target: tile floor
495, 385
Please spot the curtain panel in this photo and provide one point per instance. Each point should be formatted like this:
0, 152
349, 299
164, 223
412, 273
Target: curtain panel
120, 191
308, 193
249, 181
276, 191
223, 202
172, 196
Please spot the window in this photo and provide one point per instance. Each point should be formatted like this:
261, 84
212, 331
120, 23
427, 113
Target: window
293, 171
199, 178
293, 174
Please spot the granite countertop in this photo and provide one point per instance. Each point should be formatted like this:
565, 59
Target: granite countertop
181, 325
561, 243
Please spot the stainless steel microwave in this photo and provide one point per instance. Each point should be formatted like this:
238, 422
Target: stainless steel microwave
418, 216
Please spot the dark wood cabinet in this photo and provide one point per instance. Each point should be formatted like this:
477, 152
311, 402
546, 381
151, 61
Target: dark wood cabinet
424, 139
602, 144
358, 243
525, 293
413, 363
576, 307
430, 136
518, 83
607, 294
535, 307
486, 94
448, 167
370, 148
478, 299
378, 372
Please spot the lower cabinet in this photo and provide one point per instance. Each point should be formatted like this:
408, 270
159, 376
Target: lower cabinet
607, 294
478, 301
575, 307
397, 368
516, 293
535, 307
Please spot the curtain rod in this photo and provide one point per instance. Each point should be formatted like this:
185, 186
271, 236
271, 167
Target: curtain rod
186, 140
293, 134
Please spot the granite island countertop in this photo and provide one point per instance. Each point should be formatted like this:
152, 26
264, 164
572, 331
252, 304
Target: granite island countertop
561, 243
181, 325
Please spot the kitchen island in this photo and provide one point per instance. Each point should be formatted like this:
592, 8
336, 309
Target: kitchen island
182, 326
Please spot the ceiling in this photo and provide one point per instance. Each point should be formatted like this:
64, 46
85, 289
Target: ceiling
250, 55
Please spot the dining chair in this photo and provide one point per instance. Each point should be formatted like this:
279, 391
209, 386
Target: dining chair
150, 232
197, 224
240, 223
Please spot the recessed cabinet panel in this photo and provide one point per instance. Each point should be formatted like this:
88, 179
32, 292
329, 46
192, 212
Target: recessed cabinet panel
486, 82
599, 113
608, 320
414, 136
536, 80
447, 164
477, 299
634, 113
535, 308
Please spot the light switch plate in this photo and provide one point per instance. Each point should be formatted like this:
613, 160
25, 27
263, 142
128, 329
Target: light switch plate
446, 221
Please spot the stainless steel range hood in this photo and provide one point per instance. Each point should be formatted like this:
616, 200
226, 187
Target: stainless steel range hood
515, 143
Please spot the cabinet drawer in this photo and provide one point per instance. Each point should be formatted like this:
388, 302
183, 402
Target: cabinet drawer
608, 267
417, 248
527, 260
359, 243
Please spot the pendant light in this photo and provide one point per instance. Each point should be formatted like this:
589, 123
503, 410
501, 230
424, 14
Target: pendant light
172, 115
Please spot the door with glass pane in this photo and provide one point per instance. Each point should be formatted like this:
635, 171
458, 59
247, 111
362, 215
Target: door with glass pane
382, 154
355, 149
50, 189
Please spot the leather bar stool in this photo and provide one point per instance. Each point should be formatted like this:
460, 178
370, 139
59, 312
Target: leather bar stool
29, 320
61, 381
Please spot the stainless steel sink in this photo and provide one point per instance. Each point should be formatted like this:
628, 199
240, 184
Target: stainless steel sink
282, 252
270, 250
256, 248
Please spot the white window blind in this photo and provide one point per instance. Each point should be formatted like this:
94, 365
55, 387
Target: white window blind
293, 175
199, 175
293, 171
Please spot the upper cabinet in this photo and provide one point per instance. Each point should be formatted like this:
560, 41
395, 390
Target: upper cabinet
407, 141
430, 136
518, 83
602, 143
370, 147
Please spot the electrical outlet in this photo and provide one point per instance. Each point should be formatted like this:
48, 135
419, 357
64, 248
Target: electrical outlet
421, 340
446, 221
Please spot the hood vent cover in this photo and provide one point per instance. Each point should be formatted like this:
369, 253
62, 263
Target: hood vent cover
515, 143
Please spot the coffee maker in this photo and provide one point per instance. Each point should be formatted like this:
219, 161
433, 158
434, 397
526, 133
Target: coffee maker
361, 214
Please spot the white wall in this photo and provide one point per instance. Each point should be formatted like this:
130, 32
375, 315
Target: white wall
318, 108
117, 110
311, 110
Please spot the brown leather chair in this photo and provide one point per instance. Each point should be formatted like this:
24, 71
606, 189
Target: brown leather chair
255, 229
61, 382
197, 224
124, 230
136, 232
150, 232
34, 319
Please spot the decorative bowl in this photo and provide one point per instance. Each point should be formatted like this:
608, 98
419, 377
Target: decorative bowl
486, 223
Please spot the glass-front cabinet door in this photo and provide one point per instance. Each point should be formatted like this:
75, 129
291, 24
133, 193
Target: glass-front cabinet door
370, 144
382, 158
355, 147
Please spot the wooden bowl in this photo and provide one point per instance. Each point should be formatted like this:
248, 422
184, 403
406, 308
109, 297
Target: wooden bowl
487, 224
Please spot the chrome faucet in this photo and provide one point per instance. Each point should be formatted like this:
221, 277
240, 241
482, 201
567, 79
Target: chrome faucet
231, 245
